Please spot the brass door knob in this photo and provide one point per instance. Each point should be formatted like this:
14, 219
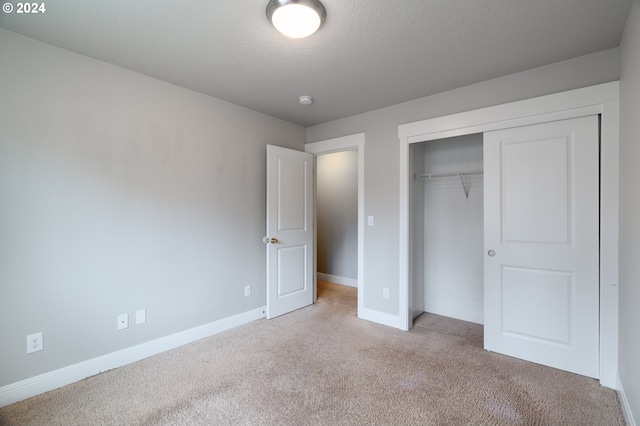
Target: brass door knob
273, 240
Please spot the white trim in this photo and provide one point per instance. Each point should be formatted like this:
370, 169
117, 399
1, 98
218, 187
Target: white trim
609, 206
338, 280
405, 311
461, 314
342, 143
381, 318
345, 143
601, 99
509, 123
530, 111
64, 376
624, 403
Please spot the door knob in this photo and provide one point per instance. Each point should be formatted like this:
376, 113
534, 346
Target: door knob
491, 253
268, 240
273, 240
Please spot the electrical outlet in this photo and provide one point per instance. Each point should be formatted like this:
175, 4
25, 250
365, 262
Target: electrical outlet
385, 293
123, 321
34, 343
247, 290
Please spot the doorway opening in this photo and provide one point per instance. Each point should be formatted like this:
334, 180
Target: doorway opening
339, 256
337, 224
447, 227
337, 217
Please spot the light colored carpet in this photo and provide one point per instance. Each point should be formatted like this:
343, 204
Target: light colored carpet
323, 366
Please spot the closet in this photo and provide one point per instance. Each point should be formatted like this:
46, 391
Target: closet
550, 217
447, 212
514, 246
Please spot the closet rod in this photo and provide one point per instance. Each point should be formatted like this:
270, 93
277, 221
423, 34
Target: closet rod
461, 175
443, 175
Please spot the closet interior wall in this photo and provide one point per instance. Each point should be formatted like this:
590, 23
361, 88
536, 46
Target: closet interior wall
447, 228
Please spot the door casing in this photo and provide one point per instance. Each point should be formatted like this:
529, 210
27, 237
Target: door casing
601, 100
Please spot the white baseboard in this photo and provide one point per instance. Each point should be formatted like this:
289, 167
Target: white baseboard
456, 313
624, 402
337, 280
64, 376
381, 318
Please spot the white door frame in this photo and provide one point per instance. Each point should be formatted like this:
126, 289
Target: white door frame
347, 143
601, 100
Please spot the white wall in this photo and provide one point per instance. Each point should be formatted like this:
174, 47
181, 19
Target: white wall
381, 263
337, 214
119, 192
629, 336
454, 229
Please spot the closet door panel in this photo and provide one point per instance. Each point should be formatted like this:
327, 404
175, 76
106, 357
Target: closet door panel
538, 173
541, 243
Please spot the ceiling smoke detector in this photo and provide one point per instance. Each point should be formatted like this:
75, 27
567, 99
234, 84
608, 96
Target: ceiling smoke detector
305, 100
296, 18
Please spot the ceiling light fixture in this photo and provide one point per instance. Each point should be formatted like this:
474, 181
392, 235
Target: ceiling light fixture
296, 18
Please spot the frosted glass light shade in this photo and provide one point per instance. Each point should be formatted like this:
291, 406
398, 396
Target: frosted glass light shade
296, 19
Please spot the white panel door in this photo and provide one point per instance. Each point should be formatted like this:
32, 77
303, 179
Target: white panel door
541, 243
289, 230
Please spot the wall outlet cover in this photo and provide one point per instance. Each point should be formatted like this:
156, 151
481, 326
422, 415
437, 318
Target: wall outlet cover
141, 316
123, 321
34, 343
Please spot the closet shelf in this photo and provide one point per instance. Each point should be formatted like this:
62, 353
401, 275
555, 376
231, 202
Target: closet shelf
445, 175
461, 175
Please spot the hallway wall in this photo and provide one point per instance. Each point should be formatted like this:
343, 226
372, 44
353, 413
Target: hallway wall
337, 214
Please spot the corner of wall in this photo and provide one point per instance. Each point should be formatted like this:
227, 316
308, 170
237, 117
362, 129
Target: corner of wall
624, 403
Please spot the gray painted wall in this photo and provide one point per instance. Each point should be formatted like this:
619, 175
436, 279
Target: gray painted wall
337, 214
629, 336
381, 261
119, 192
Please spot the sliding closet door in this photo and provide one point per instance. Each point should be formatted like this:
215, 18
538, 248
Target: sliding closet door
541, 243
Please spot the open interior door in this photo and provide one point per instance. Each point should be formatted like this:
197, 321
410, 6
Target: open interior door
290, 231
542, 243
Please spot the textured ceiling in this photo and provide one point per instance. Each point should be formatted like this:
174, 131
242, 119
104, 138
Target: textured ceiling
369, 53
